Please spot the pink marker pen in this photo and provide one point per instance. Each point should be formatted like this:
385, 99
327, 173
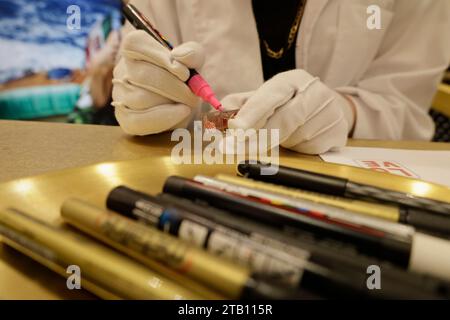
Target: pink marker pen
196, 82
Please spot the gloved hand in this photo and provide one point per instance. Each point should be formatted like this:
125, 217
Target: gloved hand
107, 55
311, 117
149, 93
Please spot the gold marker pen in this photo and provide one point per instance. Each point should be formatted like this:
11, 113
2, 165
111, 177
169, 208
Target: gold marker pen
27, 247
149, 245
110, 270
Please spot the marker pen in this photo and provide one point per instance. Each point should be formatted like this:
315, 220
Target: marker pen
424, 254
376, 210
412, 207
40, 254
386, 212
196, 82
309, 268
110, 270
315, 210
148, 245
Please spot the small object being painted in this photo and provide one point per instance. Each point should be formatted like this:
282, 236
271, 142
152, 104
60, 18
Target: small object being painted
218, 120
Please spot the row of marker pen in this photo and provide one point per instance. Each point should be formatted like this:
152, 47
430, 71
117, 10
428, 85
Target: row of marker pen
258, 237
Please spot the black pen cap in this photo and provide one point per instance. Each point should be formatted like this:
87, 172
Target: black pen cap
425, 221
174, 185
296, 178
123, 200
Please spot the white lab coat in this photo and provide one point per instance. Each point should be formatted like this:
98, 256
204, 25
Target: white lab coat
392, 73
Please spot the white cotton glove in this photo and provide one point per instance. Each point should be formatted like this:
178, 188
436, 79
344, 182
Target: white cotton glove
149, 94
311, 117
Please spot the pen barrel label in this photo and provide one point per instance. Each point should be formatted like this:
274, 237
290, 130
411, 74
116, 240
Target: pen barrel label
29, 243
193, 233
148, 242
264, 261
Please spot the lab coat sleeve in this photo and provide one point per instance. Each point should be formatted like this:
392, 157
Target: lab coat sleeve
395, 94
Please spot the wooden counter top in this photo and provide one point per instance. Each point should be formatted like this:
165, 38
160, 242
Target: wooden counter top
32, 148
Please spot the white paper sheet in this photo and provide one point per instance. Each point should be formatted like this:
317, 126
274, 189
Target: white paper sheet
432, 166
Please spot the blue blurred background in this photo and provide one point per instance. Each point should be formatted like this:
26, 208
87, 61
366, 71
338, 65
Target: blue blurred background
34, 36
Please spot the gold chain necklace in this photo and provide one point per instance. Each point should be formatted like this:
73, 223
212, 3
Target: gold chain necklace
292, 35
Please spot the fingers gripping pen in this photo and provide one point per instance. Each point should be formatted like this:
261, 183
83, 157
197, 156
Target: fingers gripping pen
196, 82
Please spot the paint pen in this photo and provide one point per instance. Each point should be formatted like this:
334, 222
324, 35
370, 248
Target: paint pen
244, 241
148, 245
376, 210
386, 212
423, 254
315, 210
113, 272
413, 209
196, 82
46, 257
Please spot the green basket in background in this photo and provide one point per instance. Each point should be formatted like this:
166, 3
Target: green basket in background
38, 102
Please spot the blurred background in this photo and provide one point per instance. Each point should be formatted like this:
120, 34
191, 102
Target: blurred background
51, 68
